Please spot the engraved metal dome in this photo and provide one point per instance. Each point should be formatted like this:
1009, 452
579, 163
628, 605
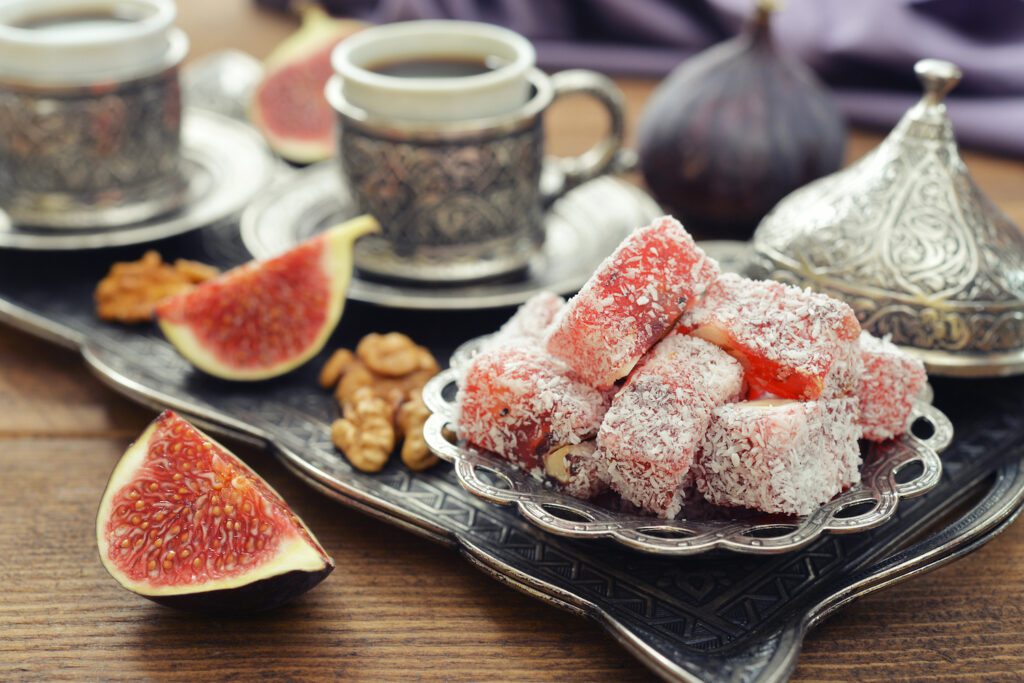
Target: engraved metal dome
909, 241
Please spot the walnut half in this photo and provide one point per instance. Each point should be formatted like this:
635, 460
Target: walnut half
131, 290
392, 370
366, 435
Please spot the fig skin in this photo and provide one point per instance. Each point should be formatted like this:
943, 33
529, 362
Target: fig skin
735, 129
260, 596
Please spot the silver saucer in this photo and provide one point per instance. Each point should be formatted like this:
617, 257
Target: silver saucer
583, 227
226, 163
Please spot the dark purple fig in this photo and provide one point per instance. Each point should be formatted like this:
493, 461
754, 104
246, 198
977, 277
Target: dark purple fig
734, 129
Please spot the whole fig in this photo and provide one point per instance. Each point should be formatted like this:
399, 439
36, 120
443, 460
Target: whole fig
736, 128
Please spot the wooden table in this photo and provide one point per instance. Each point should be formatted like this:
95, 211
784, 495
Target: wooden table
397, 607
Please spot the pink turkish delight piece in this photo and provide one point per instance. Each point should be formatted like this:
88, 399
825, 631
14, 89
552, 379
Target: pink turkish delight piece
579, 469
655, 489
530, 322
793, 342
654, 426
890, 380
780, 456
630, 302
520, 403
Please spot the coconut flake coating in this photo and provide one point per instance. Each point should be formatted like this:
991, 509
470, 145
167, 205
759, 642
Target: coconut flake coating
890, 381
786, 458
521, 404
579, 470
630, 302
530, 322
661, 491
793, 342
654, 426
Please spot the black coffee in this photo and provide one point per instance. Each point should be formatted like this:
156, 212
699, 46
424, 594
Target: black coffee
436, 67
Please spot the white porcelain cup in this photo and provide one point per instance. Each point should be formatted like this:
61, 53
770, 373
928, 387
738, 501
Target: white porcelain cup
84, 42
504, 88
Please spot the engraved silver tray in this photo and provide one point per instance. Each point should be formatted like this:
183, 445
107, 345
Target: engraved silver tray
886, 477
737, 618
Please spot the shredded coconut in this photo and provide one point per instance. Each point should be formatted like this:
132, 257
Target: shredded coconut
630, 302
792, 342
783, 458
521, 403
651, 432
586, 470
890, 380
530, 322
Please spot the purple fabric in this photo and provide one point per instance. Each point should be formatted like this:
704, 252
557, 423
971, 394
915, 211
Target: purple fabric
865, 49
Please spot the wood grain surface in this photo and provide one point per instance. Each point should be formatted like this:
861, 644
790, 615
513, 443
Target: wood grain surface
397, 607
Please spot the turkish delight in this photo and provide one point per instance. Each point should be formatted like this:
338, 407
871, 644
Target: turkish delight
890, 380
654, 426
530, 322
779, 456
793, 343
521, 404
633, 299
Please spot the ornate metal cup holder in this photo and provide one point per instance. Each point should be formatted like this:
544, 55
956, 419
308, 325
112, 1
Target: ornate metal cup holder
888, 474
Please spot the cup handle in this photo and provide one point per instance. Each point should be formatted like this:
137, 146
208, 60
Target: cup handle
605, 154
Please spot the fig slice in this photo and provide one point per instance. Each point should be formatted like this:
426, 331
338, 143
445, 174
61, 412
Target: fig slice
187, 524
263, 319
289, 106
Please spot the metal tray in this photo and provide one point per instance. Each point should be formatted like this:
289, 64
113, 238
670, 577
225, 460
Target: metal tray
736, 618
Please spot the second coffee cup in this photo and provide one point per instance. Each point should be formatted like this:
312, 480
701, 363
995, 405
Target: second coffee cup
442, 140
90, 112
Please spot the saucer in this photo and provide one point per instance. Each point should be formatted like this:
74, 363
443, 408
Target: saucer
226, 164
583, 227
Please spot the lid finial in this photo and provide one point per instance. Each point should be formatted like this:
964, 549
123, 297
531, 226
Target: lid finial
938, 77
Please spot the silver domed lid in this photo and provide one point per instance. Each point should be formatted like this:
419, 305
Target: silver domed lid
910, 242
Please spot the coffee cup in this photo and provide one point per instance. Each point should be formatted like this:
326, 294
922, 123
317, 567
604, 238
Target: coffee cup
90, 106
441, 138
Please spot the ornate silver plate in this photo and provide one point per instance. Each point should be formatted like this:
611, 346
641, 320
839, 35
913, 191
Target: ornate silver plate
583, 227
886, 477
226, 163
